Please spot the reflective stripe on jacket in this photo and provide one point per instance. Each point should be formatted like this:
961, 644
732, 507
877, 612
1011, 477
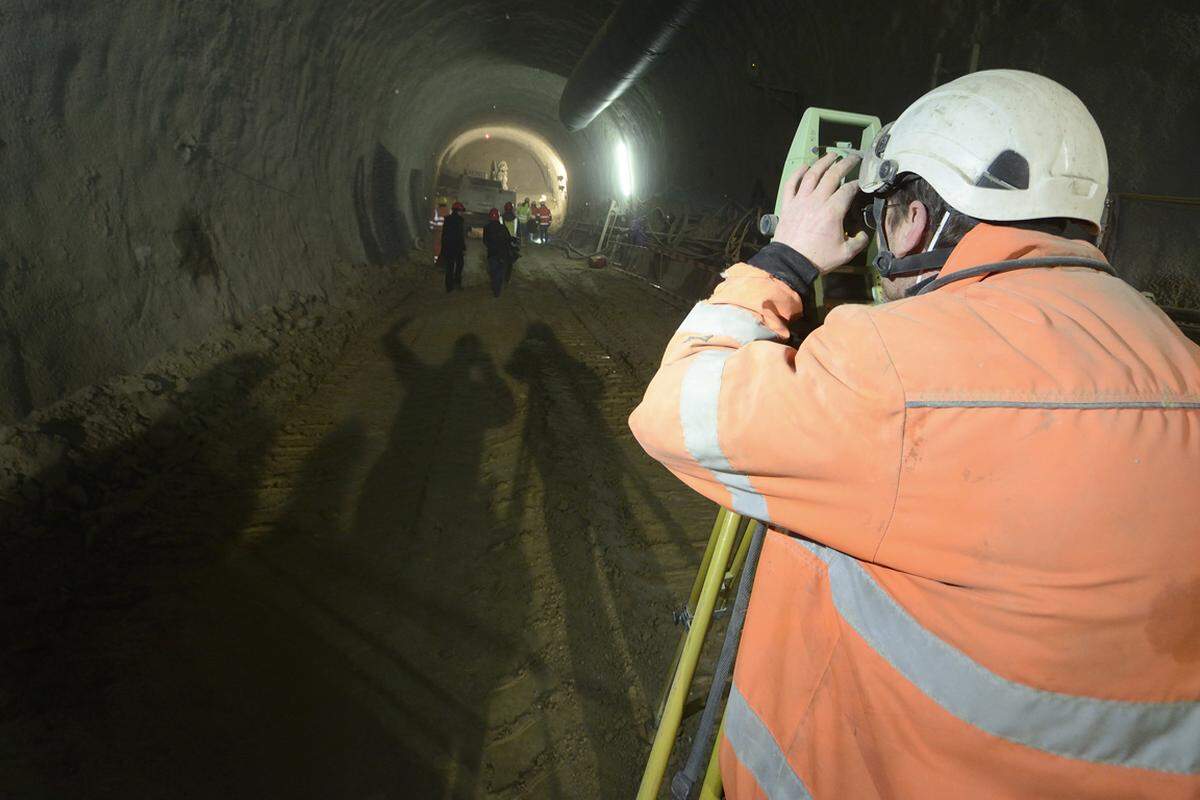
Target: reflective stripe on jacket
992, 584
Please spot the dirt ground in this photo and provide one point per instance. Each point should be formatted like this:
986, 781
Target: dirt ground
447, 572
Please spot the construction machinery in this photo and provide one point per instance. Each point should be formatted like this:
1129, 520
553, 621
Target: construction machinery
480, 195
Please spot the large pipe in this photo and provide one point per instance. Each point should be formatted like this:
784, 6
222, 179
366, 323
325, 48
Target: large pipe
636, 34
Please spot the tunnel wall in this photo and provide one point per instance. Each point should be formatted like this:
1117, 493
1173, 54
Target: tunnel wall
172, 166
155, 185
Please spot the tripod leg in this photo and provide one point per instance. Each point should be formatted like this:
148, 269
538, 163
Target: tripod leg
689, 610
681, 682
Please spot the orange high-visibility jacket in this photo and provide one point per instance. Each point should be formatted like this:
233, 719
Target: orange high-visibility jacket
991, 584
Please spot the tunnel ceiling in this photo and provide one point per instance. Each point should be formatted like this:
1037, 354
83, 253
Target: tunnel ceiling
171, 166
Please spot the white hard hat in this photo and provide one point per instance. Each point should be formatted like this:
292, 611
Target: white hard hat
1000, 145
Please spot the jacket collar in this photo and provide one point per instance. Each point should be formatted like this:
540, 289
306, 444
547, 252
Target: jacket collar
986, 244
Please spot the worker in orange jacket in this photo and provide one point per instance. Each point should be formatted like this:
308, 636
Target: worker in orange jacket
982, 576
544, 218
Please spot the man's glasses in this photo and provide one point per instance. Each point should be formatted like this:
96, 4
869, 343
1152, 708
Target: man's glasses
868, 214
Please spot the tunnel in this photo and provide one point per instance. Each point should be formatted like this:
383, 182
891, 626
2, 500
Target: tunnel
283, 517
522, 161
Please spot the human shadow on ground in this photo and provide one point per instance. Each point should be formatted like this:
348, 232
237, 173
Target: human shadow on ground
589, 516
417, 594
290, 658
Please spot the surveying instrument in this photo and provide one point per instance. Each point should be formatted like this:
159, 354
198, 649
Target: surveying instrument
722, 584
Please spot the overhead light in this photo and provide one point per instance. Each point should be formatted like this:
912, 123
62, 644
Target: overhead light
624, 169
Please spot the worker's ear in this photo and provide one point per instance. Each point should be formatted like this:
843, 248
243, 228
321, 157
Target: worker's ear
906, 228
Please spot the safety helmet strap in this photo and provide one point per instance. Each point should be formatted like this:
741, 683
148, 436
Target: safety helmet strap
887, 263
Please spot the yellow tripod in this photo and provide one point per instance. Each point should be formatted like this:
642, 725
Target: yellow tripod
720, 570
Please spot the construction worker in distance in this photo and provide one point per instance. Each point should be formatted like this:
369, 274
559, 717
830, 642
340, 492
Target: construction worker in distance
982, 576
524, 212
543, 220
440, 210
498, 242
454, 246
509, 218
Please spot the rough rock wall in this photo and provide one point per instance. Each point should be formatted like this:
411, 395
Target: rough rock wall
171, 166
152, 189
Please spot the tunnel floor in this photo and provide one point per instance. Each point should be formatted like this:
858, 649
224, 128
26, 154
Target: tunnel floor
453, 576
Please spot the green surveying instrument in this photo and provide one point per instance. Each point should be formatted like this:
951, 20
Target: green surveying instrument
821, 131
726, 572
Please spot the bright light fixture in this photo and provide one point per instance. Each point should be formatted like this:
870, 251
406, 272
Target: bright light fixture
624, 168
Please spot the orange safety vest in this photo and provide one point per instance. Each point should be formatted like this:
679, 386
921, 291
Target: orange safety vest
983, 579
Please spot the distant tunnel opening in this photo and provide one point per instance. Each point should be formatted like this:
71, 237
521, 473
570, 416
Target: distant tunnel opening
521, 161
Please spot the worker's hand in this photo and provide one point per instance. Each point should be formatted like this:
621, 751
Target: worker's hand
814, 206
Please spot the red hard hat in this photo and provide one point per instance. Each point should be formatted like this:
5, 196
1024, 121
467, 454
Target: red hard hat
494, 214
508, 206
458, 207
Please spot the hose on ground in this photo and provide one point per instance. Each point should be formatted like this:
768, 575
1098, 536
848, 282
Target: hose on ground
571, 250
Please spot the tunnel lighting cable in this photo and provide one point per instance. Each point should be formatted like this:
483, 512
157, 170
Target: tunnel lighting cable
624, 168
